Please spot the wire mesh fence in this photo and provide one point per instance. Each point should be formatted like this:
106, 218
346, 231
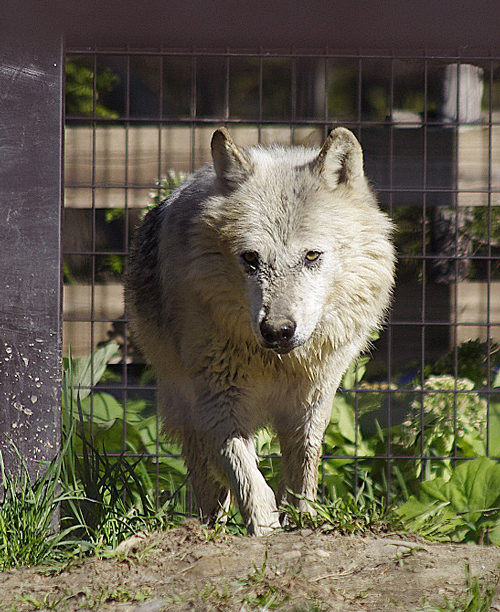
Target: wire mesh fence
138, 122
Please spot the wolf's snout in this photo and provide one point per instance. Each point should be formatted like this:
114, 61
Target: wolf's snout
278, 335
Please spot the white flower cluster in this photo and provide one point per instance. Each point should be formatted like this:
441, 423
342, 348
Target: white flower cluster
451, 409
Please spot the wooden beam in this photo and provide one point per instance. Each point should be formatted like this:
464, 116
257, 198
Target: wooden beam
30, 239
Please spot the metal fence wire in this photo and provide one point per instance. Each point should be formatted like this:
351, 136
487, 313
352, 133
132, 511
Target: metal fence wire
137, 122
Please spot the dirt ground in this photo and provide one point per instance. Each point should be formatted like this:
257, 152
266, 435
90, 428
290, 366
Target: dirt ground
190, 568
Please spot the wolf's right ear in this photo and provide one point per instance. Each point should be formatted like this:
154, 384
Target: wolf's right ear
340, 159
231, 165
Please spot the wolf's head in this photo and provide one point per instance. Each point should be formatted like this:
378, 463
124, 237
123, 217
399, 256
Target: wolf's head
310, 244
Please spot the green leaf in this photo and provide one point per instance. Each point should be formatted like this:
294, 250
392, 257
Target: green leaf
496, 381
494, 429
494, 534
471, 445
103, 407
480, 480
355, 372
471, 498
87, 371
135, 409
345, 419
148, 430
112, 437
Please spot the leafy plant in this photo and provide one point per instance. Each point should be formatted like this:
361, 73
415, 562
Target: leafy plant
101, 499
84, 89
118, 499
120, 431
343, 438
462, 508
447, 415
118, 493
165, 186
81, 374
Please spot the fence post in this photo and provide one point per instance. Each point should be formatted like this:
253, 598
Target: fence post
30, 246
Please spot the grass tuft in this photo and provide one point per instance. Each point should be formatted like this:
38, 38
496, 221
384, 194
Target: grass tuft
349, 514
477, 596
27, 511
100, 501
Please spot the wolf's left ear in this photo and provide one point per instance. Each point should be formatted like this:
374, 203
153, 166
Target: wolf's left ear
231, 165
340, 159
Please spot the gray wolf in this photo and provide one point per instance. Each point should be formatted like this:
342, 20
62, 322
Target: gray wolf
250, 290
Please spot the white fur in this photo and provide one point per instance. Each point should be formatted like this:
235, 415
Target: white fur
219, 378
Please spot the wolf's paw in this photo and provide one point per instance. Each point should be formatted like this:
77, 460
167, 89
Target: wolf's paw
263, 530
264, 525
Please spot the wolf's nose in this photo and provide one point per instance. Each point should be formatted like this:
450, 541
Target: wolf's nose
279, 332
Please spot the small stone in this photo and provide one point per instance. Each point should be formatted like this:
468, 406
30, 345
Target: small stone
321, 553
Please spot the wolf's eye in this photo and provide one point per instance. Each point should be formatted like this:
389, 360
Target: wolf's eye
312, 256
250, 259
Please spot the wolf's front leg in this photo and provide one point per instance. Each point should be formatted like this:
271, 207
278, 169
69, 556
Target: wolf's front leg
255, 498
300, 441
212, 495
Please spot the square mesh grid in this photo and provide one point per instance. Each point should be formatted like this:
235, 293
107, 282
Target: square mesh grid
138, 121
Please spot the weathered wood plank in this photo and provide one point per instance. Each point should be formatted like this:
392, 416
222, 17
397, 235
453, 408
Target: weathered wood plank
30, 238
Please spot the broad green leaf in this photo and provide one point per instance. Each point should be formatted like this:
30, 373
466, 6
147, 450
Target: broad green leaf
431, 490
342, 433
87, 371
355, 372
134, 411
111, 437
471, 445
346, 420
103, 408
148, 430
494, 534
494, 428
475, 485
173, 465
471, 498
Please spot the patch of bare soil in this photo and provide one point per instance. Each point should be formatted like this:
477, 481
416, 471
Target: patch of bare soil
190, 568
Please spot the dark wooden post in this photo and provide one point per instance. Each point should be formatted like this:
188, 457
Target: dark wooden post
30, 245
